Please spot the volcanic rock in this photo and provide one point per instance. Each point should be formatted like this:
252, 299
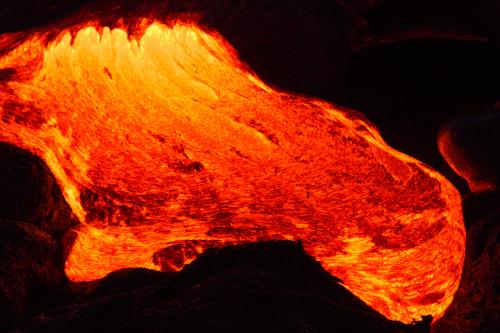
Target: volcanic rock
476, 306
29, 192
470, 145
262, 287
34, 219
31, 265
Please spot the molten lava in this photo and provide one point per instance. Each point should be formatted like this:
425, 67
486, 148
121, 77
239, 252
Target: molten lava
165, 144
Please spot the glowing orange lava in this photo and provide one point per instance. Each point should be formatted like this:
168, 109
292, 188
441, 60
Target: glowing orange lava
168, 142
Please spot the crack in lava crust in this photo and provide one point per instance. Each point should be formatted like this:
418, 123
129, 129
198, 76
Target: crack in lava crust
168, 141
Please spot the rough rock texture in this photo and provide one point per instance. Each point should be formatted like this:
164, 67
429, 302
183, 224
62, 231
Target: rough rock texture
31, 265
262, 287
476, 306
31, 251
470, 144
29, 192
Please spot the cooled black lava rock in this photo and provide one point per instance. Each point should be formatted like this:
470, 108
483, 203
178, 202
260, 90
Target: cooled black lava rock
471, 145
34, 220
476, 306
31, 266
30, 193
262, 287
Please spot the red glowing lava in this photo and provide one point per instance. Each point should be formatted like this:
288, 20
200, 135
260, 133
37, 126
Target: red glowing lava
167, 141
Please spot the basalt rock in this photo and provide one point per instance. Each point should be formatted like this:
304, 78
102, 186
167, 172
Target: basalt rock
263, 287
31, 266
29, 192
476, 306
470, 145
34, 220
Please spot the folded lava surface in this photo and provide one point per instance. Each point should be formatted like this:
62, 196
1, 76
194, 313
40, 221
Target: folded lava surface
165, 144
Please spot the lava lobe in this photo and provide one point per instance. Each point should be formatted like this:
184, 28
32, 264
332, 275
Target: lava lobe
165, 144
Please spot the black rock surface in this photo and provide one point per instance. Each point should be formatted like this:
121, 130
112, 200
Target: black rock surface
31, 268
261, 287
30, 193
476, 306
471, 145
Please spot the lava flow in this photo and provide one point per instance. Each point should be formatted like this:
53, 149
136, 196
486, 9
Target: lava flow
165, 144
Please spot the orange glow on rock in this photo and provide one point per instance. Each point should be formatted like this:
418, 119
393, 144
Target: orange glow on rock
165, 145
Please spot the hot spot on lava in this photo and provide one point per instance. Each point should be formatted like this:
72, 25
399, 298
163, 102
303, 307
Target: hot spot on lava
165, 144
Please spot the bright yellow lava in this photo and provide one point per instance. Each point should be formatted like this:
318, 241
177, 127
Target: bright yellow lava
168, 141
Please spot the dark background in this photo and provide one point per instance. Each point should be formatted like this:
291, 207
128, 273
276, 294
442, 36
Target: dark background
410, 66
